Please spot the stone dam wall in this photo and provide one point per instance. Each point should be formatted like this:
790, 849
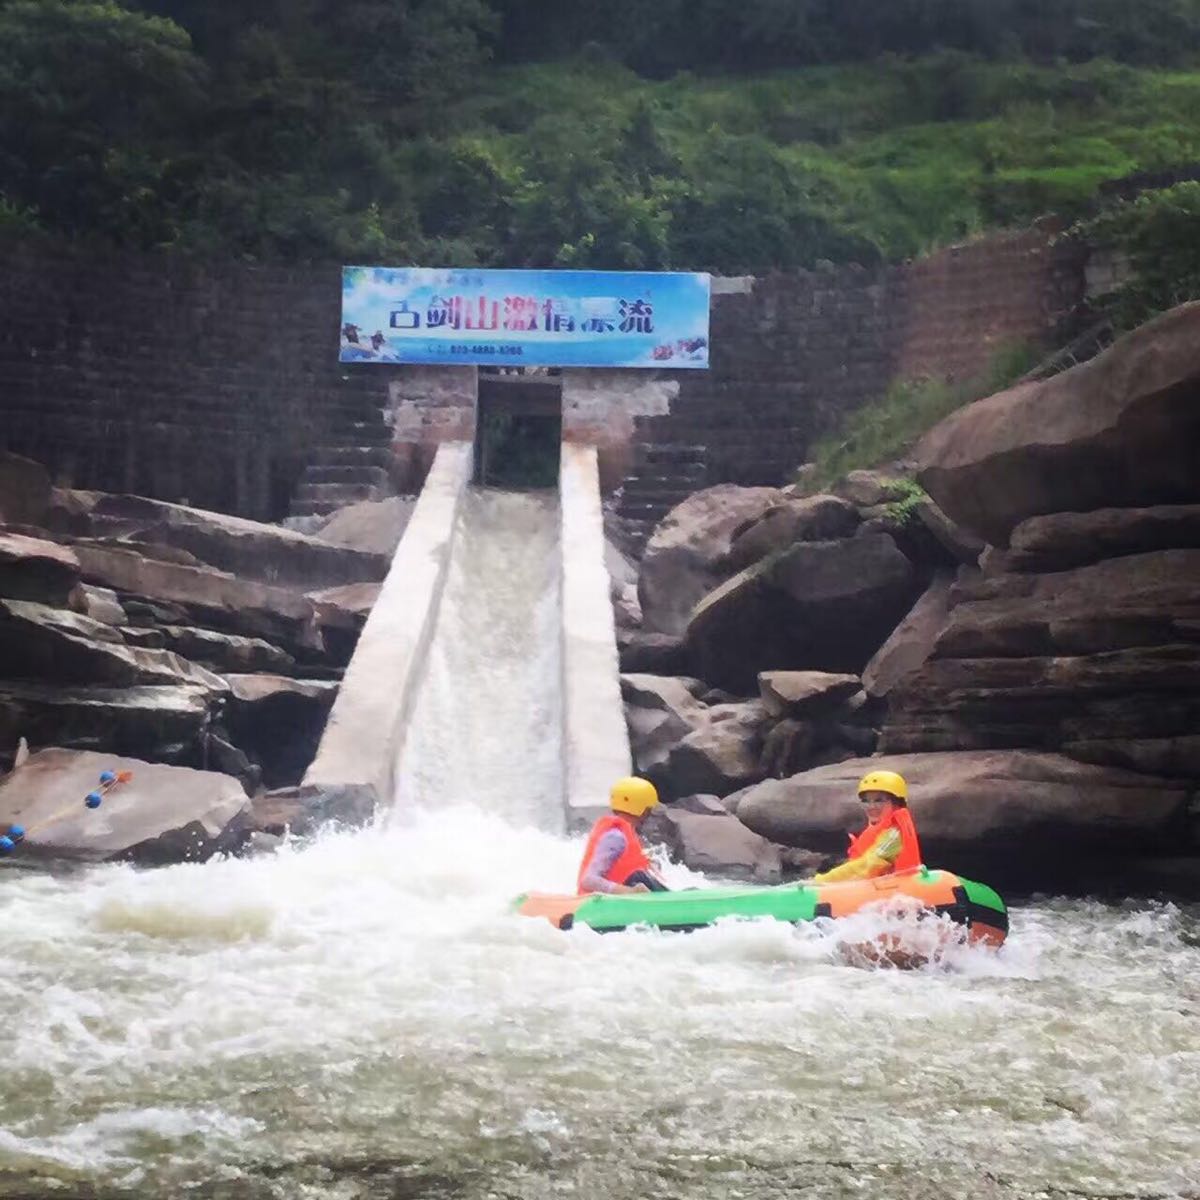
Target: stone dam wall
217, 383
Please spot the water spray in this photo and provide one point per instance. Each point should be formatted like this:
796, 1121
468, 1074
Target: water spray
18, 833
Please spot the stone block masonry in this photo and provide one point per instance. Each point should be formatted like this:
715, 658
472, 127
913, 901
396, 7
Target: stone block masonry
218, 383
182, 380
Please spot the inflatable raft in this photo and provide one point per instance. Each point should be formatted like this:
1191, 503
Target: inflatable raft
971, 905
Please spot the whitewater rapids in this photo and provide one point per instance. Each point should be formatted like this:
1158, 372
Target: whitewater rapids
361, 1016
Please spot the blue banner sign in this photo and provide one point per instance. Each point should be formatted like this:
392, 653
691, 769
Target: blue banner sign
524, 318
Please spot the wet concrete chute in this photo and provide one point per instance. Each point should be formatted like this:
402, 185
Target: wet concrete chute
487, 671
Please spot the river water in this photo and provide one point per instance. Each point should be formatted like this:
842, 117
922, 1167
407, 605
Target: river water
362, 1017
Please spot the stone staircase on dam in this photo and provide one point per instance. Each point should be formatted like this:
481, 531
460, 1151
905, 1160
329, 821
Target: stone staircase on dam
664, 474
353, 464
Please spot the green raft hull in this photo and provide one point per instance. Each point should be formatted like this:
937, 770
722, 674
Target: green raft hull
973, 905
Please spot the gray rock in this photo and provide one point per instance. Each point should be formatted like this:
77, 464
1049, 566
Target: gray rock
1163, 756
721, 755
223, 652
1059, 541
301, 811
824, 606
374, 526
866, 489
143, 722
249, 549
35, 569
1136, 600
627, 609
705, 806
659, 712
46, 644
681, 560
719, 844
910, 644
1118, 431
805, 693
278, 722
787, 748
101, 604
218, 600
1046, 701
1007, 806
145, 639
814, 519
162, 814
961, 544
651, 653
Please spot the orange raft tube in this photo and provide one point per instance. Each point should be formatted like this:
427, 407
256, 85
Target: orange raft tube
974, 906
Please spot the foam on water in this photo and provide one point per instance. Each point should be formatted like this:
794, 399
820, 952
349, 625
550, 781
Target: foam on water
370, 997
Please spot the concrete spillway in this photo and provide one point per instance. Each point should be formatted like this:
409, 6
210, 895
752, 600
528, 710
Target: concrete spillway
487, 671
486, 727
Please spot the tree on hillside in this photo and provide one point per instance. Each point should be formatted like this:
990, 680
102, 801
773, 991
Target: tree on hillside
92, 98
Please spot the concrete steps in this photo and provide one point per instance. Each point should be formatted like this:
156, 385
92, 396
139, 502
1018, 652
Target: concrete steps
664, 474
354, 463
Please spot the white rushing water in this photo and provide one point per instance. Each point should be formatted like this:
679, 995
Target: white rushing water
487, 725
361, 1016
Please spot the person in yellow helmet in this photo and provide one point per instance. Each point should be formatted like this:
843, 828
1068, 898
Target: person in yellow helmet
889, 842
614, 859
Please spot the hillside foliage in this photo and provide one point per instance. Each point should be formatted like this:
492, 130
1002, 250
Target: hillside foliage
703, 135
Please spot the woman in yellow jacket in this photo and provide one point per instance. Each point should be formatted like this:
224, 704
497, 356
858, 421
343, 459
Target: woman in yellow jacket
889, 842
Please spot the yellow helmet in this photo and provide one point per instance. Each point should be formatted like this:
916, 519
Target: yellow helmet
885, 781
633, 796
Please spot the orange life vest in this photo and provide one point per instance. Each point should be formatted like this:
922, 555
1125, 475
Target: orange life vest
633, 857
901, 820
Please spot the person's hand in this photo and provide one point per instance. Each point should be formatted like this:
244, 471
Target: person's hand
635, 888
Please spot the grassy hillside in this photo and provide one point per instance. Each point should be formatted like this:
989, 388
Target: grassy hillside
857, 162
376, 131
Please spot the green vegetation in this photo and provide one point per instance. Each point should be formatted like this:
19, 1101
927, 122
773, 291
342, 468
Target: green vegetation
906, 495
884, 430
1156, 236
706, 135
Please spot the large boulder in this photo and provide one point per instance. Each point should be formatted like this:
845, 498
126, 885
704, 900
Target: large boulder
162, 814
225, 651
824, 606
812, 519
1011, 815
35, 569
867, 489
1061, 540
660, 711
249, 549
25, 490
680, 564
302, 811
1138, 600
101, 604
1047, 702
52, 645
722, 755
278, 722
805, 693
910, 644
373, 526
145, 722
651, 653
717, 844
1120, 430
219, 600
